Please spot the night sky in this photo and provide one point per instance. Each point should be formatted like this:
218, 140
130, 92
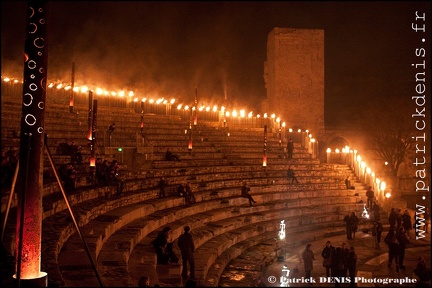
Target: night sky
166, 49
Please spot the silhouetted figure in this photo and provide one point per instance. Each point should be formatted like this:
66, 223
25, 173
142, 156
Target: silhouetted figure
189, 194
403, 239
245, 193
377, 229
169, 156
114, 177
184, 191
392, 218
398, 219
352, 266
163, 247
111, 127
375, 210
347, 183
406, 222
187, 248
162, 184
393, 246
290, 149
100, 172
337, 267
370, 194
348, 226
354, 220
68, 175
110, 130
77, 156
344, 256
308, 258
291, 175
422, 272
327, 253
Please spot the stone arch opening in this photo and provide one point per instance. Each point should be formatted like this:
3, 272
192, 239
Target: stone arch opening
338, 142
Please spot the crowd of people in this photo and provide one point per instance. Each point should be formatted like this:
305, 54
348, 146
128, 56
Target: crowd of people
108, 173
69, 148
340, 261
185, 190
163, 244
351, 224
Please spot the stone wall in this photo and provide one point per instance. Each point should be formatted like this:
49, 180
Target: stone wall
294, 77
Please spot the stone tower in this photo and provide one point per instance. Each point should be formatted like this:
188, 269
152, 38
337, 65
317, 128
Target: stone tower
294, 77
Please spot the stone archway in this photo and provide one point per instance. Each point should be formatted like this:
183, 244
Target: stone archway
338, 141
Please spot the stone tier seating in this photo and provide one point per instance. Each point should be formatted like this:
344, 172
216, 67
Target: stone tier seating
118, 229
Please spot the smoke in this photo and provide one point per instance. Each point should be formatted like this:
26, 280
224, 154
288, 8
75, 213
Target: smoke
156, 50
169, 49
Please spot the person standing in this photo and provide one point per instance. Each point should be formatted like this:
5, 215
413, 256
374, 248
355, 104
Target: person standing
393, 246
392, 218
337, 265
187, 248
354, 220
290, 149
376, 233
406, 222
110, 130
162, 184
327, 253
348, 226
403, 239
308, 257
344, 257
352, 266
398, 219
370, 194
347, 183
375, 210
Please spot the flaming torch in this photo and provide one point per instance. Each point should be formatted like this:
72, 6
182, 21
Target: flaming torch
90, 115
71, 100
142, 117
93, 140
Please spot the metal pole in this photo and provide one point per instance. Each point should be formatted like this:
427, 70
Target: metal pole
23, 203
72, 215
29, 183
10, 200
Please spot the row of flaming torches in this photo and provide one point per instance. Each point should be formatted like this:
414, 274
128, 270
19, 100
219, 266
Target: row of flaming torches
360, 168
222, 109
